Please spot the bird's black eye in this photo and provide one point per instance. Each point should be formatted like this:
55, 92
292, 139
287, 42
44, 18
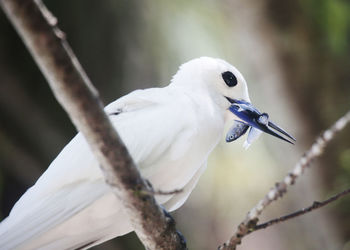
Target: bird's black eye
229, 78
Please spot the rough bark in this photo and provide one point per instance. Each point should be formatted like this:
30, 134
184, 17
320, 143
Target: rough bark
74, 91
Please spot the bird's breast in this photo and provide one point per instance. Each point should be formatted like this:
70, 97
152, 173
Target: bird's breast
188, 148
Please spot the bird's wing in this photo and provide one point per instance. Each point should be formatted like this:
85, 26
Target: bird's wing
21, 228
146, 124
76, 163
150, 122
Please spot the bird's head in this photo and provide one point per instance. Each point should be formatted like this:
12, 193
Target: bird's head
228, 89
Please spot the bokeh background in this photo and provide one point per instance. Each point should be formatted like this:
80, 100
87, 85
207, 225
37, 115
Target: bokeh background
295, 58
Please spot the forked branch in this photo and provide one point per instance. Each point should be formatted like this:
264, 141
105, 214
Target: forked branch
315, 205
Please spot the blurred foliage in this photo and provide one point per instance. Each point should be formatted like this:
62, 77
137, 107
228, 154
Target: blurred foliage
317, 63
331, 18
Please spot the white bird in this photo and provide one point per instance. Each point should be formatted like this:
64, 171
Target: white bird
169, 133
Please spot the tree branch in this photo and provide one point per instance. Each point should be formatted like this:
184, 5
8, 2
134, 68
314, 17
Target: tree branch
74, 91
280, 188
315, 205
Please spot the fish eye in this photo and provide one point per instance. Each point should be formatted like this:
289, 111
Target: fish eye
229, 78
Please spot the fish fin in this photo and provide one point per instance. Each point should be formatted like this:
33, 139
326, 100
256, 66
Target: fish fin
252, 136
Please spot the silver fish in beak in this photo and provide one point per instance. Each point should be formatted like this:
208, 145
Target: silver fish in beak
252, 118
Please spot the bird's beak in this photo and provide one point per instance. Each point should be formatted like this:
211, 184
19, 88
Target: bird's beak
254, 118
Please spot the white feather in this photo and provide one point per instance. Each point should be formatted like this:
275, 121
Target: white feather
169, 133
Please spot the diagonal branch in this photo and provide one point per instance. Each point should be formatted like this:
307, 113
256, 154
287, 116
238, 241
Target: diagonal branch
280, 188
315, 205
74, 91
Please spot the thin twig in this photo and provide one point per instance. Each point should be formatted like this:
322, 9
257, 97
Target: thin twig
252, 218
152, 191
315, 205
74, 91
161, 192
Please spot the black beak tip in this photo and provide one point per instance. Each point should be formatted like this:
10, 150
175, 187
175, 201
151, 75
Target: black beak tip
291, 142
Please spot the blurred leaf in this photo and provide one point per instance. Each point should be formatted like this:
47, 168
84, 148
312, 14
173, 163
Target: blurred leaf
332, 19
345, 161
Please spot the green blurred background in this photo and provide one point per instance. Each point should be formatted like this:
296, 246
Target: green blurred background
295, 58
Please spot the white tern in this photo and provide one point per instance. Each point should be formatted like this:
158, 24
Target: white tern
169, 132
